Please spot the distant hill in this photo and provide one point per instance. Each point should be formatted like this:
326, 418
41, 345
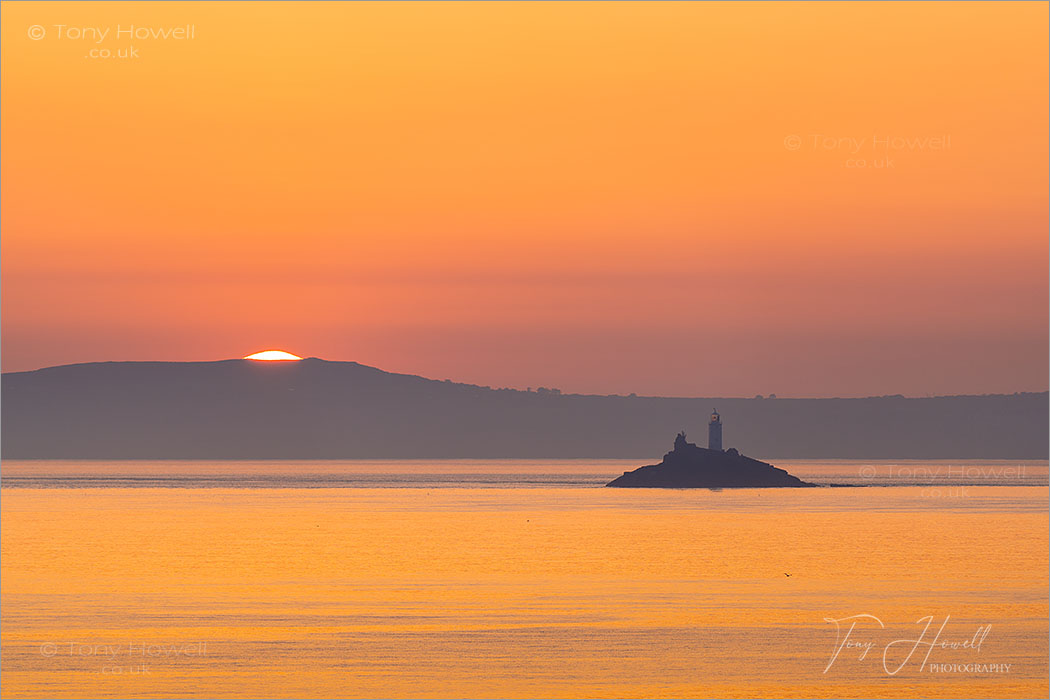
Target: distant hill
315, 409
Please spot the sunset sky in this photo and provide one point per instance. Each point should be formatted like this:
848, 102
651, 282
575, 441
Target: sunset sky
680, 199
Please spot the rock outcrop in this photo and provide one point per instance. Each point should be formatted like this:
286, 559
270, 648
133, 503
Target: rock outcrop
688, 466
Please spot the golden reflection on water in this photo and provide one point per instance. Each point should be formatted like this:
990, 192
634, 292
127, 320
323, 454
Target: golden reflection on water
568, 592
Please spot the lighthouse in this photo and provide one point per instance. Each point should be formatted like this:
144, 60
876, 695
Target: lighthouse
714, 432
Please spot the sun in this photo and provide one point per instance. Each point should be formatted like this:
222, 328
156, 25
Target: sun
271, 355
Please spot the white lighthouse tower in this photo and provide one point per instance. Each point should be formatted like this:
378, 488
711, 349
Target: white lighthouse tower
714, 432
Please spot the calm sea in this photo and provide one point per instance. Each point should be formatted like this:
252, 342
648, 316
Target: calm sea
521, 579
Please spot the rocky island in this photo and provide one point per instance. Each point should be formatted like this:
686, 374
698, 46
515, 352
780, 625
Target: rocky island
688, 466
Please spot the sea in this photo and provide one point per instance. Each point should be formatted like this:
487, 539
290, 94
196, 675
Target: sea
508, 579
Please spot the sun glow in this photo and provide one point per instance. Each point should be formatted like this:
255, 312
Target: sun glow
271, 355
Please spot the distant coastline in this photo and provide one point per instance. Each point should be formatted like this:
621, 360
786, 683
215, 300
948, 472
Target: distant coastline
317, 409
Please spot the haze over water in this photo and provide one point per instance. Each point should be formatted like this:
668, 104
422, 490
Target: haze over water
478, 578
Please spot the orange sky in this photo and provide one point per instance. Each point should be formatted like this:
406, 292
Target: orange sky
598, 197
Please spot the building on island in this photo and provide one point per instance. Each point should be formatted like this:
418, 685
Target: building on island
714, 432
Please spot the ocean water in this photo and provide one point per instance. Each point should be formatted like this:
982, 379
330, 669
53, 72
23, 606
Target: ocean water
520, 579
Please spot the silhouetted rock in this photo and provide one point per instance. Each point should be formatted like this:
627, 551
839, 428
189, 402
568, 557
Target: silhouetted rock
690, 467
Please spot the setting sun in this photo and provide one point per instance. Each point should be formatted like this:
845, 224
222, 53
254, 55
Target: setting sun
271, 355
